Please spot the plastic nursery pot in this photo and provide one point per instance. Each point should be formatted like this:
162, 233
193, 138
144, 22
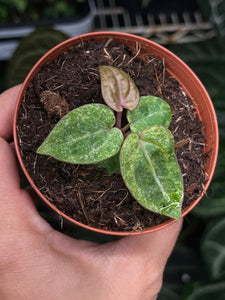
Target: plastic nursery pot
190, 84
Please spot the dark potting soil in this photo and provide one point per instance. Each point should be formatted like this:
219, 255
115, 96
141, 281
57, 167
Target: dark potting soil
83, 192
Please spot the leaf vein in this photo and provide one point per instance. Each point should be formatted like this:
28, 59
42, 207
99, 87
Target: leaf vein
153, 170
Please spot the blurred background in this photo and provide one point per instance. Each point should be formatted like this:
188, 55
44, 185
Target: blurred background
192, 29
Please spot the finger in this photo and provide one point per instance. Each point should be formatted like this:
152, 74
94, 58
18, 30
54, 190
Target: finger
16, 207
9, 184
7, 107
8, 171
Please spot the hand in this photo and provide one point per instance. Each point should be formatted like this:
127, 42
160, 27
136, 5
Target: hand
37, 262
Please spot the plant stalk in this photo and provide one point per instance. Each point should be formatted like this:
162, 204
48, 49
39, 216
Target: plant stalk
118, 119
125, 128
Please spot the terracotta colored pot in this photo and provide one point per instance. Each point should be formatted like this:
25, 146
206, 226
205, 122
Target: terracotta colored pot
175, 67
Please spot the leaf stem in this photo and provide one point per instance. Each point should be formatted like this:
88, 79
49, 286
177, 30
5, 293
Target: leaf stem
118, 119
126, 127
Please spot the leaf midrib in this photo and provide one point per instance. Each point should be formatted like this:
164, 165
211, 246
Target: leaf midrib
86, 136
153, 170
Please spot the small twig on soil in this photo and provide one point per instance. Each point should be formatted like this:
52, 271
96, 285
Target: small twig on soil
123, 59
157, 78
175, 130
92, 72
106, 45
35, 162
104, 192
182, 143
191, 188
48, 198
81, 203
119, 220
77, 167
107, 53
116, 59
49, 79
164, 70
58, 87
151, 60
108, 42
25, 112
65, 171
123, 199
137, 53
137, 225
62, 65
19, 138
179, 119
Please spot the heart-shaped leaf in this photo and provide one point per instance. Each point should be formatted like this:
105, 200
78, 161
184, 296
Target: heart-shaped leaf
150, 111
85, 135
118, 89
151, 172
211, 291
213, 248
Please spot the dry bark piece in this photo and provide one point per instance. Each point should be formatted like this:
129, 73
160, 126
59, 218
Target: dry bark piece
54, 104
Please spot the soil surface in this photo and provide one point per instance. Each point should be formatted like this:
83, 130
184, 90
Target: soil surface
83, 192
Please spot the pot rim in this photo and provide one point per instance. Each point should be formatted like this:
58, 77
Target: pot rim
177, 62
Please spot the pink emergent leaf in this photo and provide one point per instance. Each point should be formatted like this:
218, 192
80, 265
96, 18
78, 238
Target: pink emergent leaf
118, 89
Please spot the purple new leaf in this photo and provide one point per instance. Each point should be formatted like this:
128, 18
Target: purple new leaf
118, 90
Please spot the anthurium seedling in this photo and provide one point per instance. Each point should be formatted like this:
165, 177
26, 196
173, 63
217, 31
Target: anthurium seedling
143, 151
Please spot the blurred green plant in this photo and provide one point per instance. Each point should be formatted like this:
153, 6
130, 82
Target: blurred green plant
204, 227
214, 11
25, 10
213, 249
29, 50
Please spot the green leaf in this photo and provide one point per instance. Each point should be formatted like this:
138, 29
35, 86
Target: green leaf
214, 10
85, 135
21, 5
168, 292
205, 8
150, 111
213, 249
151, 172
209, 292
110, 165
213, 204
118, 89
207, 59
